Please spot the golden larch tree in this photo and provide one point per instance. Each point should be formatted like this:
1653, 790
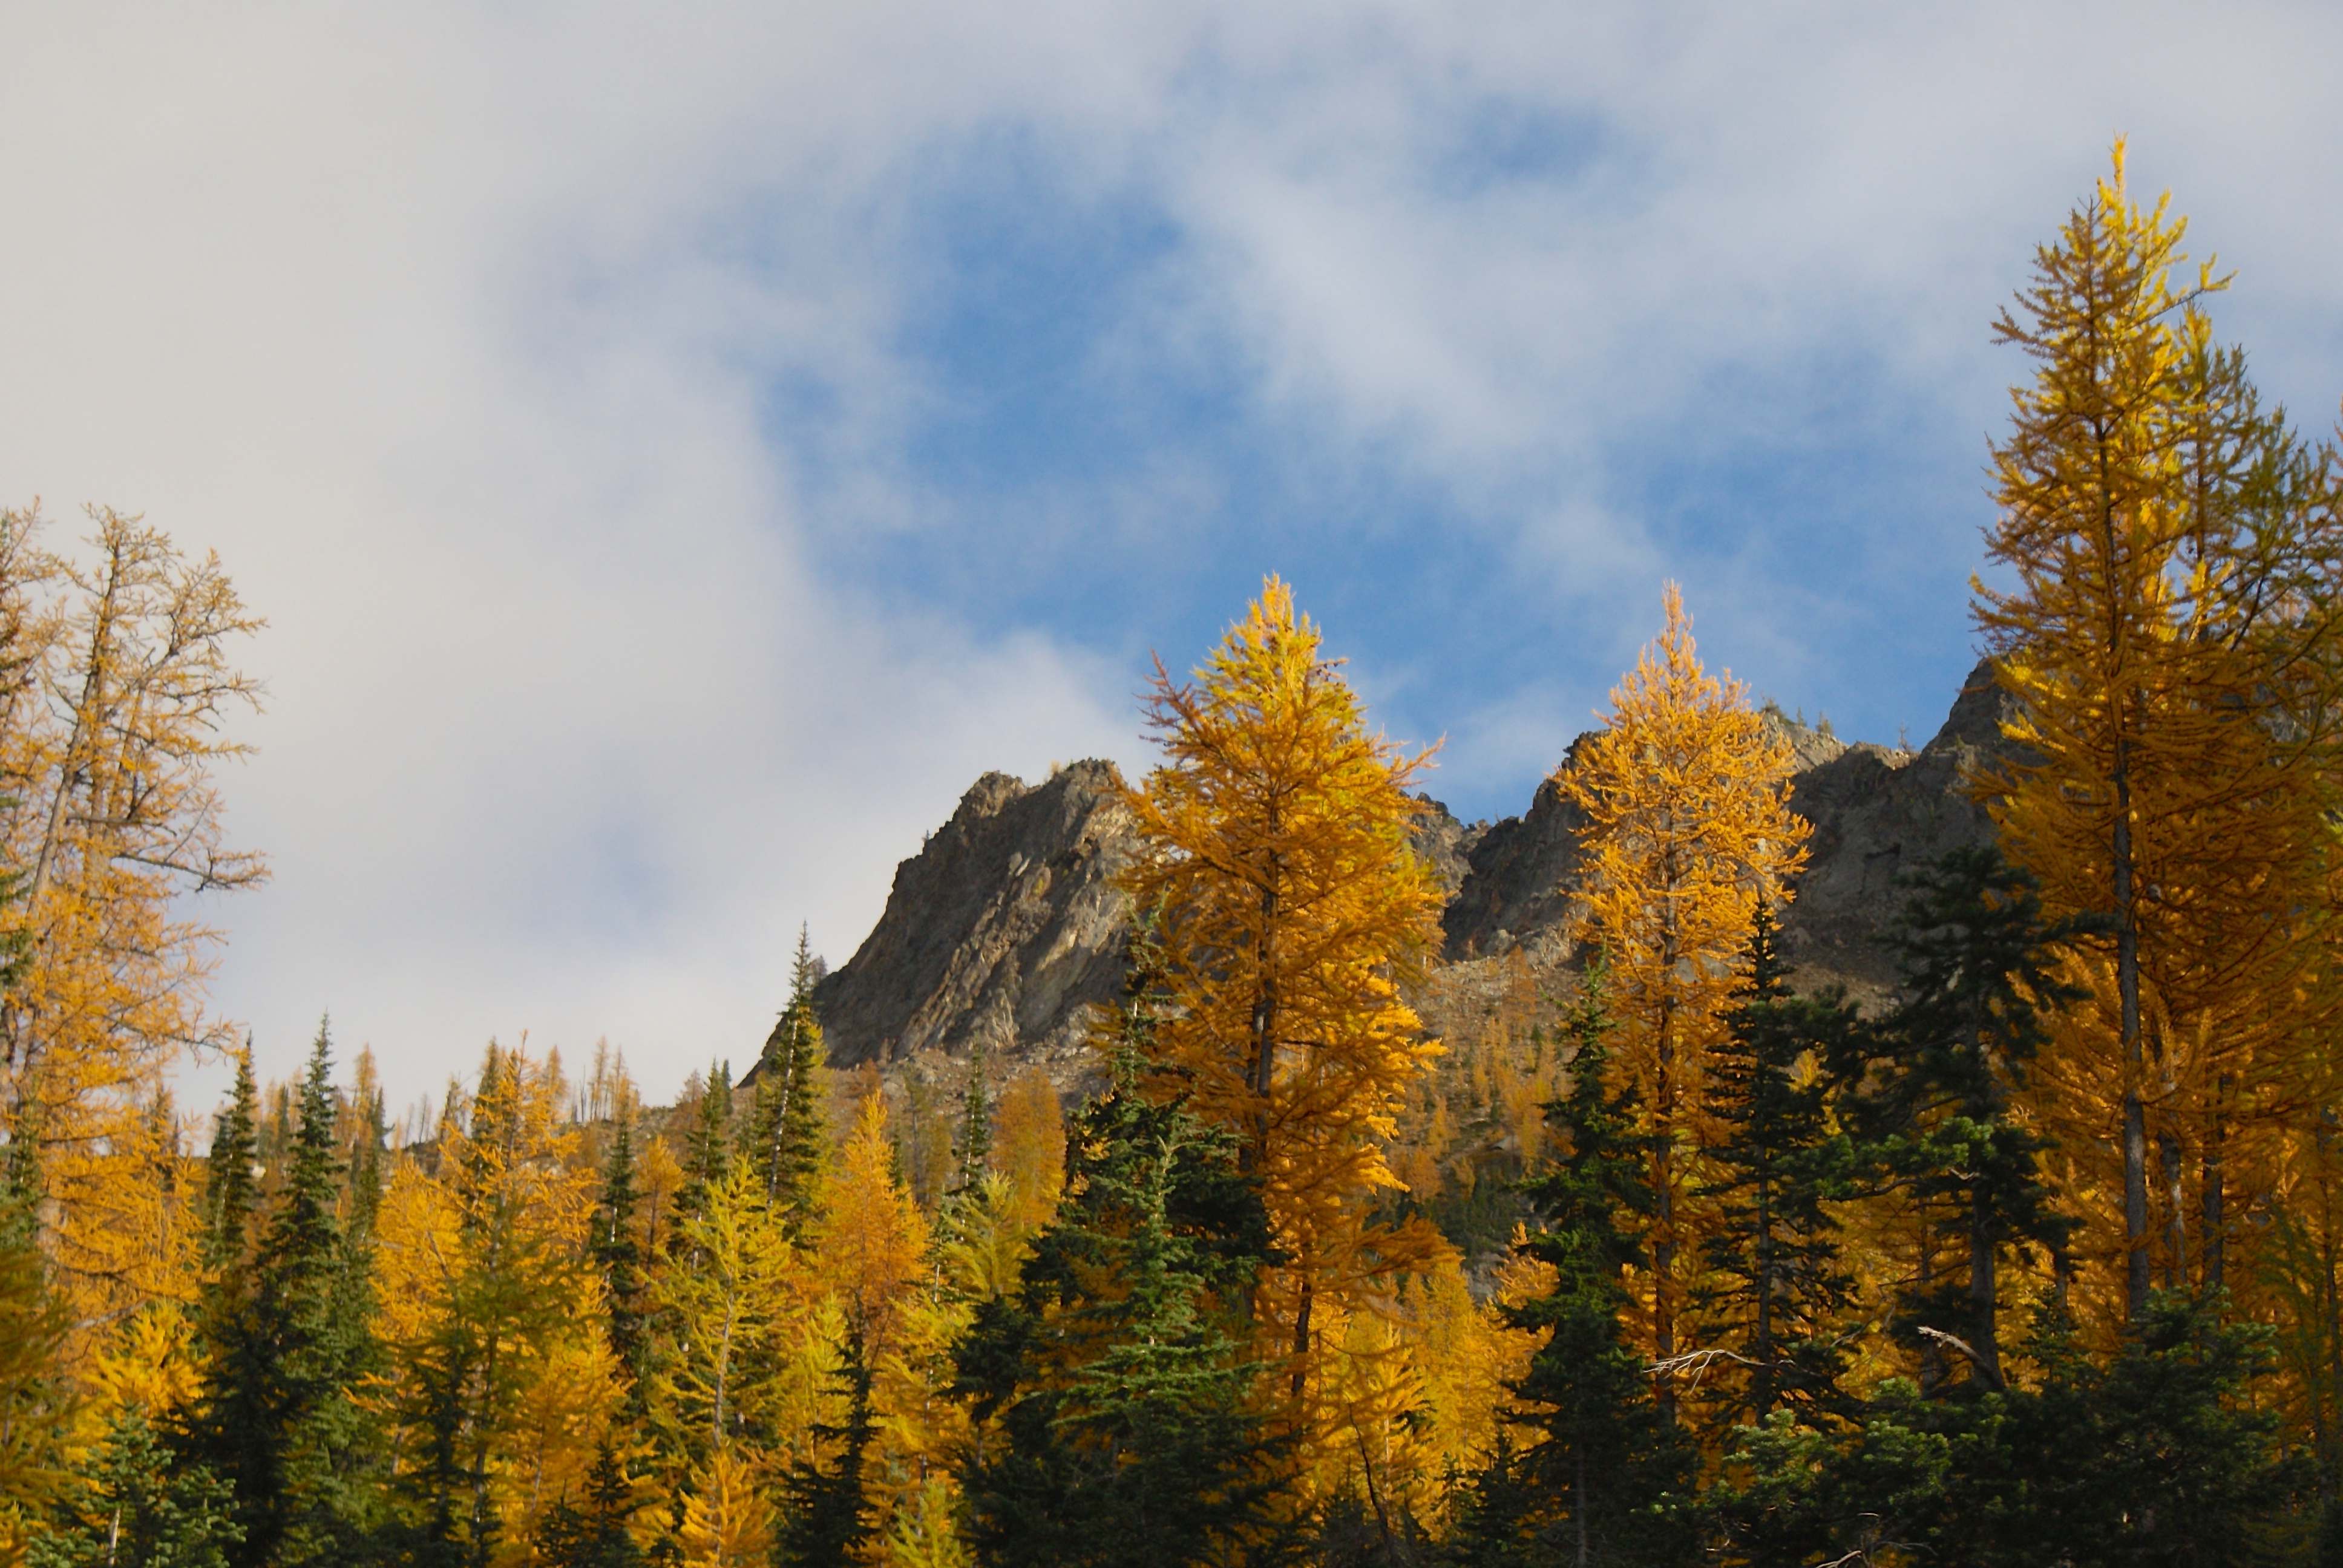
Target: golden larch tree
2168, 635
1291, 909
1685, 797
115, 686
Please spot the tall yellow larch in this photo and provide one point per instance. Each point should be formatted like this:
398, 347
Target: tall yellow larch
728, 1514
1291, 911
2170, 640
115, 687
871, 1243
1029, 1145
1687, 825
721, 1316
485, 1298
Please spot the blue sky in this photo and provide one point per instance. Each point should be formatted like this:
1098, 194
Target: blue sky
677, 451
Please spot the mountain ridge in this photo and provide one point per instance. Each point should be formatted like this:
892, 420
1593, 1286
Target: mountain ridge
1005, 929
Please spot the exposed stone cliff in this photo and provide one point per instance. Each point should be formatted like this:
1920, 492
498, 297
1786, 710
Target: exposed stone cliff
1006, 927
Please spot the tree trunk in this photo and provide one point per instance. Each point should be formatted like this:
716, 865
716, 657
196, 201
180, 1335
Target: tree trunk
2176, 1222
1664, 1243
2136, 1279
2216, 1221
1983, 1327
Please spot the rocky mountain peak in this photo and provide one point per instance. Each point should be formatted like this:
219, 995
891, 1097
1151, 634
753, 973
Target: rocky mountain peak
1006, 927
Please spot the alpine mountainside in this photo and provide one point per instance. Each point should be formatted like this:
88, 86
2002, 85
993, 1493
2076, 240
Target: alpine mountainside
1005, 927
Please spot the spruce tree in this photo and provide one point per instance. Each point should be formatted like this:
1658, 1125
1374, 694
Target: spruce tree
138, 1504
975, 1124
830, 1518
1776, 1285
790, 1125
1977, 955
619, 1258
277, 1420
707, 1150
1113, 1387
229, 1194
1611, 1480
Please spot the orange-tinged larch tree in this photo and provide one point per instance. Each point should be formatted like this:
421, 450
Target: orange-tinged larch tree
1029, 1146
2169, 636
871, 1240
486, 1295
1290, 910
1687, 825
115, 686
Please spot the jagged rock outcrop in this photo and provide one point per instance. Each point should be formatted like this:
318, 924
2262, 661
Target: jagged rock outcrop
1006, 925
1878, 812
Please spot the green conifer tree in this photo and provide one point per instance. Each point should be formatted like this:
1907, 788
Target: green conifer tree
1776, 1286
277, 1421
1113, 1387
975, 1124
1977, 953
620, 1257
829, 1518
1610, 1481
139, 1504
230, 1196
708, 1149
788, 1121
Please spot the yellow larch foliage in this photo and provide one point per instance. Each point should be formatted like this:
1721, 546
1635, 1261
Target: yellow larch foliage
723, 1314
486, 1305
1029, 1145
925, 1532
872, 1240
728, 1514
920, 1431
114, 689
1687, 825
1290, 910
2170, 639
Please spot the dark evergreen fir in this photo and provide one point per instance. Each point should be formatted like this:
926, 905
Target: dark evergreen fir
1610, 1481
975, 1122
136, 1504
230, 1195
1113, 1388
708, 1149
1777, 1292
1934, 1111
277, 1421
619, 1256
827, 1516
2158, 1460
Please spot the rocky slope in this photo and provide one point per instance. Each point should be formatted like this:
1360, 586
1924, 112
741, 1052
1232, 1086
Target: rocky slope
1005, 927
1002, 930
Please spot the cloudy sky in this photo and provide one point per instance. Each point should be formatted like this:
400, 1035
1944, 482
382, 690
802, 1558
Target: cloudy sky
677, 448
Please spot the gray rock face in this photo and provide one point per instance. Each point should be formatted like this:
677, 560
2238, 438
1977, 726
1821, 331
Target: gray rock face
1004, 929
1006, 925
1876, 813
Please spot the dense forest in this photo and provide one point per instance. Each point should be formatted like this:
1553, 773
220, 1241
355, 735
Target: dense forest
1667, 1261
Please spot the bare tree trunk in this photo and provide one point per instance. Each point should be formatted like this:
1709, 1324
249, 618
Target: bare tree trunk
2176, 1222
1983, 1327
2215, 1222
2136, 1279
